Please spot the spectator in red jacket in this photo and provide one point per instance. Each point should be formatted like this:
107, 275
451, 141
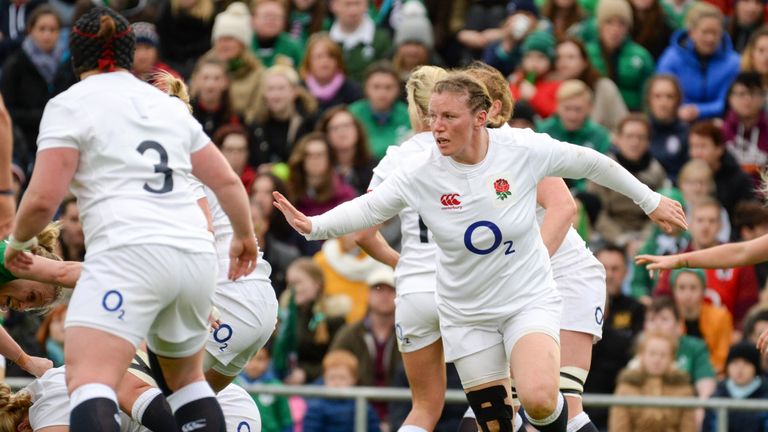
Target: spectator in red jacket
533, 82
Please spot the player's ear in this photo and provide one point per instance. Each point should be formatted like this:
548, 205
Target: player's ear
481, 118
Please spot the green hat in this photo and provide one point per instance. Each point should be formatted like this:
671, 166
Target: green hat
540, 41
698, 272
673, 193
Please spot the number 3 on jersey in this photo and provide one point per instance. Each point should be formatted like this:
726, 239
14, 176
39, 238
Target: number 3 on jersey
160, 168
497, 240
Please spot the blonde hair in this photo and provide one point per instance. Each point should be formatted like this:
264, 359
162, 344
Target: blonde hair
642, 341
699, 11
13, 407
693, 167
315, 272
202, 10
498, 88
173, 86
572, 88
260, 112
418, 90
341, 358
333, 48
478, 98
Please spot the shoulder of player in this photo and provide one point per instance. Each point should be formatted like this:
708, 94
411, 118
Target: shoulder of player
517, 137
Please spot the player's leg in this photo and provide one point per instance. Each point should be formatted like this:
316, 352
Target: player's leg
425, 369
485, 378
417, 327
536, 362
139, 397
575, 360
96, 362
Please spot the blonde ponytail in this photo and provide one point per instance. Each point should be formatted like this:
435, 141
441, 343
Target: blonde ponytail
419, 90
47, 240
175, 87
13, 407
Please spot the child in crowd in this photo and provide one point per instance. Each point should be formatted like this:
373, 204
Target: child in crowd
337, 415
274, 410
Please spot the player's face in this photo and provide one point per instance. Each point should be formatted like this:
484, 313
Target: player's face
705, 224
615, 270
338, 377
279, 94
657, 356
45, 32
24, 426
322, 64
451, 122
21, 295
633, 140
268, 20
741, 372
381, 89
569, 63
689, 294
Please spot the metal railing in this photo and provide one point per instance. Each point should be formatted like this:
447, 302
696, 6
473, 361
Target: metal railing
361, 396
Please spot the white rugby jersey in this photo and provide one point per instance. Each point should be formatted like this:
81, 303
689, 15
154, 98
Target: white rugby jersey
240, 411
417, 254
132, 184
491, 259
222, 230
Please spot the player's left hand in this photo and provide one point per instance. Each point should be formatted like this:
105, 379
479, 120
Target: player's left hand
17, 258
242, 256
656, 262
34, 365
297, 219
669, 216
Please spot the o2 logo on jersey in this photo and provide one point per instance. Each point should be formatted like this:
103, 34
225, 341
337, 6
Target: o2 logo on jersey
243, 427
599, 315
400, 336
497, 239
222, 335
113, 302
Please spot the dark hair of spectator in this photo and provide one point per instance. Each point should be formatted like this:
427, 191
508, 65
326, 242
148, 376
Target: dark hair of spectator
751, 80
645, 28
298, 179
611, 248
383, 67
223, 132
659, 78
317, 13
633, 118
277, 223
751, 320
708, 129
362, 151
333, 48
747, 65
750, 214
589, 75
660, 304
39, 12
562, 19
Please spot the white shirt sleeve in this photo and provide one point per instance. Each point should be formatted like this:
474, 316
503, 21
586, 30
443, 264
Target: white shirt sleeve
60, 127
385, 167
558, 159
373, 208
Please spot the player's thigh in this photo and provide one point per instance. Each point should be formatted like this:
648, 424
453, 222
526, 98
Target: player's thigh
426, 373
576, 349
95, 356
536, 361
478, 369
417, 324
180, 328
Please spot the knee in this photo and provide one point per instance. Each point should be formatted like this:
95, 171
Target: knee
431, 403
539, 400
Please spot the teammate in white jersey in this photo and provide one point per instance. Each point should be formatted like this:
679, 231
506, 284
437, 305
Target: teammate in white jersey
489, 247
128, 150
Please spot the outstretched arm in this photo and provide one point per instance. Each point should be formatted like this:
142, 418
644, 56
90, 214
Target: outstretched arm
554, 196
12, 351
45, 270
724, 256
373, 243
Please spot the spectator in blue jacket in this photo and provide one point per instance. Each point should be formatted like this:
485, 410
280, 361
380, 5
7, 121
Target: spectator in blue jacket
703, 59
744, 380
522, 19
337, 415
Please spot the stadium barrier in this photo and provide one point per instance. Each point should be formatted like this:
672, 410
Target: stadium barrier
362, 395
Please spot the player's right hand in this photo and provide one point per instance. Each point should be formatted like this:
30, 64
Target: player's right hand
243, 253
34, 365
669, 216
297, 219
14, 257
656, 262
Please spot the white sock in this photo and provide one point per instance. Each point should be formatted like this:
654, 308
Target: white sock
91, 391
469, 413
552, 417
189, 393
578, 422
517, 422
142, 402
409, 428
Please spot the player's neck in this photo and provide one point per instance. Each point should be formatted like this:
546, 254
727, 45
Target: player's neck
92, 72
475, 151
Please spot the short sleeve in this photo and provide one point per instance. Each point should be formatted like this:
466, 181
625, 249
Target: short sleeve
51, 400
198, 139
60, 127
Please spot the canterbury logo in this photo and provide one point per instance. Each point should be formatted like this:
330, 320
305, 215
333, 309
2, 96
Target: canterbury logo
194, 425
450, 200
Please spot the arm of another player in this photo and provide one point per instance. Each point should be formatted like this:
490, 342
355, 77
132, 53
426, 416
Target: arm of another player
12, 351
45, 270
54, 169
554, 196
209, 165
724, 256
373, 243
7, 203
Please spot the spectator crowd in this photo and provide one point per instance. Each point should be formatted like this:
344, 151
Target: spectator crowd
304, 97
